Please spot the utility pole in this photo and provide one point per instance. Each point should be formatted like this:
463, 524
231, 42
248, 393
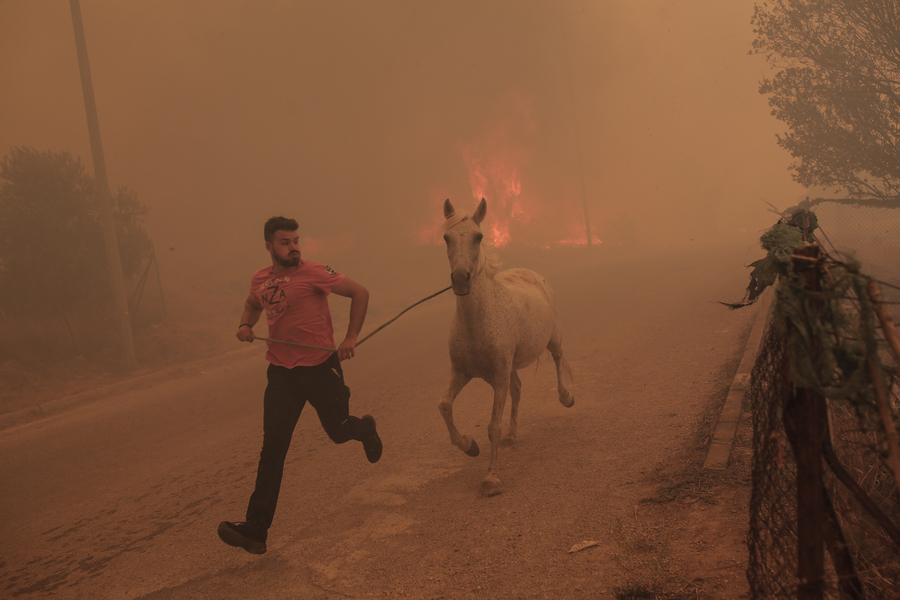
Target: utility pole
587, 218
114, 262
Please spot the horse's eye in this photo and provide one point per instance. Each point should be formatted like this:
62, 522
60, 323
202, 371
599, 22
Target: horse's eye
479, 237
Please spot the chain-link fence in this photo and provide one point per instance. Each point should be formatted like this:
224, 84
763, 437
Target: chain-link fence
825, 505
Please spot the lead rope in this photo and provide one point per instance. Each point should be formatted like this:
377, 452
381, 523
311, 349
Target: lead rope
365, 338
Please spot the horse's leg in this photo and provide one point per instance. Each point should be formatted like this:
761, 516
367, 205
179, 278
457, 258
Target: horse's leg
458, 380
515, 392
563, 371
490, 486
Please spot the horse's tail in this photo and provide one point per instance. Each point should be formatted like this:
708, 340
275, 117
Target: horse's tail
564, 369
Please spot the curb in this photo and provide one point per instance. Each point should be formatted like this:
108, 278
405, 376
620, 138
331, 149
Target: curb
719, 452
57, 405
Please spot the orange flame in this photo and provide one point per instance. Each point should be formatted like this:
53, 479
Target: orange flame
495, 161
577, 237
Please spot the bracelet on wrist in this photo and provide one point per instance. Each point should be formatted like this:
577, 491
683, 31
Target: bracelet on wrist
245, 325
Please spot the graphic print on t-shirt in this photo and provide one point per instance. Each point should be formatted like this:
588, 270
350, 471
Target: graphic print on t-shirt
295, 302
273, 297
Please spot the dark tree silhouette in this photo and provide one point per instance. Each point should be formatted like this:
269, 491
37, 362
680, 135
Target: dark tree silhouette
52, 255
838, 90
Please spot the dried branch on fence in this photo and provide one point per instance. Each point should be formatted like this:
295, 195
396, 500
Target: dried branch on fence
884, 409
779, 242
886, 320
845, 478
841, 558
887, 419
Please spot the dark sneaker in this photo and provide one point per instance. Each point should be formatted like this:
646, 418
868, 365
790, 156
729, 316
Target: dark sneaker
239, 535
371, 442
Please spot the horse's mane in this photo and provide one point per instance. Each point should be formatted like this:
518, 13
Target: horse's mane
492, 262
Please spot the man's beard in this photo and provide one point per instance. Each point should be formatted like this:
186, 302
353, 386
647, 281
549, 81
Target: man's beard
288, 262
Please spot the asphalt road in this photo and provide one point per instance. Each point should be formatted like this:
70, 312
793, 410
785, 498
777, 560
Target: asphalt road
120, 497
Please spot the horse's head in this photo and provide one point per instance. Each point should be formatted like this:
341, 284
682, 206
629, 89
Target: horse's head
463, 236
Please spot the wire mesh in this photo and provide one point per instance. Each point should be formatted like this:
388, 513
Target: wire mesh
772, 537
858, 482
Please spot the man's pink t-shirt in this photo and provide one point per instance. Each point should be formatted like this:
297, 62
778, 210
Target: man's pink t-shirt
295, 301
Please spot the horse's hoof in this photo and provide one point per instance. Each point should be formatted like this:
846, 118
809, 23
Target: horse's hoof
491, 487
568, 401
473, 448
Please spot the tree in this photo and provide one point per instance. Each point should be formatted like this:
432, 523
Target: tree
838, 90
52, 256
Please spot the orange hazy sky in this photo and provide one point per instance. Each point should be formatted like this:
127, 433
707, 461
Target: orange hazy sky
359, 118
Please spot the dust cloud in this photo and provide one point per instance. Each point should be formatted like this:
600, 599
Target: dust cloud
359, 118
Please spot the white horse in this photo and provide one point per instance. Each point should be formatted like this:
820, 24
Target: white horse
504, 321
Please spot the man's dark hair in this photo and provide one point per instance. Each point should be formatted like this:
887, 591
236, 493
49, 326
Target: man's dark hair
278, 224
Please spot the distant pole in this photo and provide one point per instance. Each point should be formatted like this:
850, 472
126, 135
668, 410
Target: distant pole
162, 297
114, 262
587, 219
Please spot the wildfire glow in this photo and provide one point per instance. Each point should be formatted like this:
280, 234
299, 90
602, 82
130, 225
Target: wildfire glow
495, 161
500, 234
577, 234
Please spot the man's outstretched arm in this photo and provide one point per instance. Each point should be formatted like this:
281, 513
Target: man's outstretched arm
359, 304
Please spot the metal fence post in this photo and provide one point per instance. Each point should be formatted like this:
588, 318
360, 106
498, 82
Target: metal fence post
805, 424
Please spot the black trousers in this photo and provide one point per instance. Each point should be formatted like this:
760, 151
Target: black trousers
287, 393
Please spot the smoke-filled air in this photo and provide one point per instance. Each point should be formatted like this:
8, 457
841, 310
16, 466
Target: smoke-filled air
360, 118
538, 310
